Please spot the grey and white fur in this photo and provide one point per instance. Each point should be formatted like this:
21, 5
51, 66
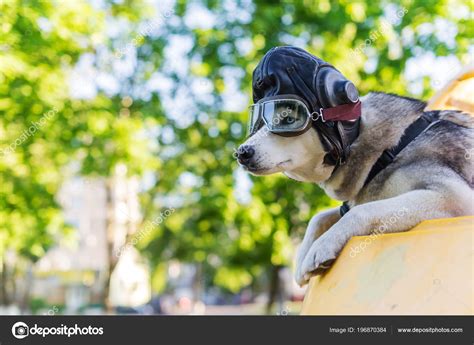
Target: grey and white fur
430, 178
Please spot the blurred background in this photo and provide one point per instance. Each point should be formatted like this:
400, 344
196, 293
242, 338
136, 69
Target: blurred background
118, 122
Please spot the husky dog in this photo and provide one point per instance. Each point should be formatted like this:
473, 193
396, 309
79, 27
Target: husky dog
432, 177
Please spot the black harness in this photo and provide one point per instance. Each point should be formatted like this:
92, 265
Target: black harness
426, 120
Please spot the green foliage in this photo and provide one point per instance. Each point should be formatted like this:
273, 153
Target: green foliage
32, 84
210, 223
190, 163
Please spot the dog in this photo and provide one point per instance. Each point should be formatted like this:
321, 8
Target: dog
432, 177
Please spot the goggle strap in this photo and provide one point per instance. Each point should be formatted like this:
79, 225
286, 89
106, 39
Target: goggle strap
343, 112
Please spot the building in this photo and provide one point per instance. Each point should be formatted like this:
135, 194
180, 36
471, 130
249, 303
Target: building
73, 274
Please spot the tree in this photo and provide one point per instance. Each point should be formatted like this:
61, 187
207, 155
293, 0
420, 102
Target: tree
43, 129
252, 238
35, 114
177, 112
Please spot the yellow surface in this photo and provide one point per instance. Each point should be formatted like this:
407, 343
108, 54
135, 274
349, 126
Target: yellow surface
427, 270
457, 94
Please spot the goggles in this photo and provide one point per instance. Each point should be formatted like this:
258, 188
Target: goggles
289, 115
286, 115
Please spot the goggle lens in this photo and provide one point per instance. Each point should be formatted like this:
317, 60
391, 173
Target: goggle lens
255, 120
285, 115
280, 116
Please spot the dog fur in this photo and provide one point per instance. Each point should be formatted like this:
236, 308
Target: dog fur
430, 178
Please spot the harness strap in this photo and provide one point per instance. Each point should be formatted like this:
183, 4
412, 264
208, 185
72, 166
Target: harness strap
344, 208
425, 121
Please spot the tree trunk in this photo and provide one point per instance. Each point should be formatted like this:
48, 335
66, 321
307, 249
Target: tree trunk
198, 283
24, 298
4, 300
112, 258
274, 287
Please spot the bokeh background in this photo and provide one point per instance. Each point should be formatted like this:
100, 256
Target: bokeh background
118, 122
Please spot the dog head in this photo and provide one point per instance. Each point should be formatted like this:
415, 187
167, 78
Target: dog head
299, 157
293, 73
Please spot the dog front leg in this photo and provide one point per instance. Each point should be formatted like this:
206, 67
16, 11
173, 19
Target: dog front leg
407, 209
318, 224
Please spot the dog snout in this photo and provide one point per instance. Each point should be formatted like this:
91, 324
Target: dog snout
245, 154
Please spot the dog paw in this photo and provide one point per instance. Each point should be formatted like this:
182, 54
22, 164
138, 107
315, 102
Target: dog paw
319, 258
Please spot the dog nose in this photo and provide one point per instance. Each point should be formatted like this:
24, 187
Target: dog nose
245, 153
